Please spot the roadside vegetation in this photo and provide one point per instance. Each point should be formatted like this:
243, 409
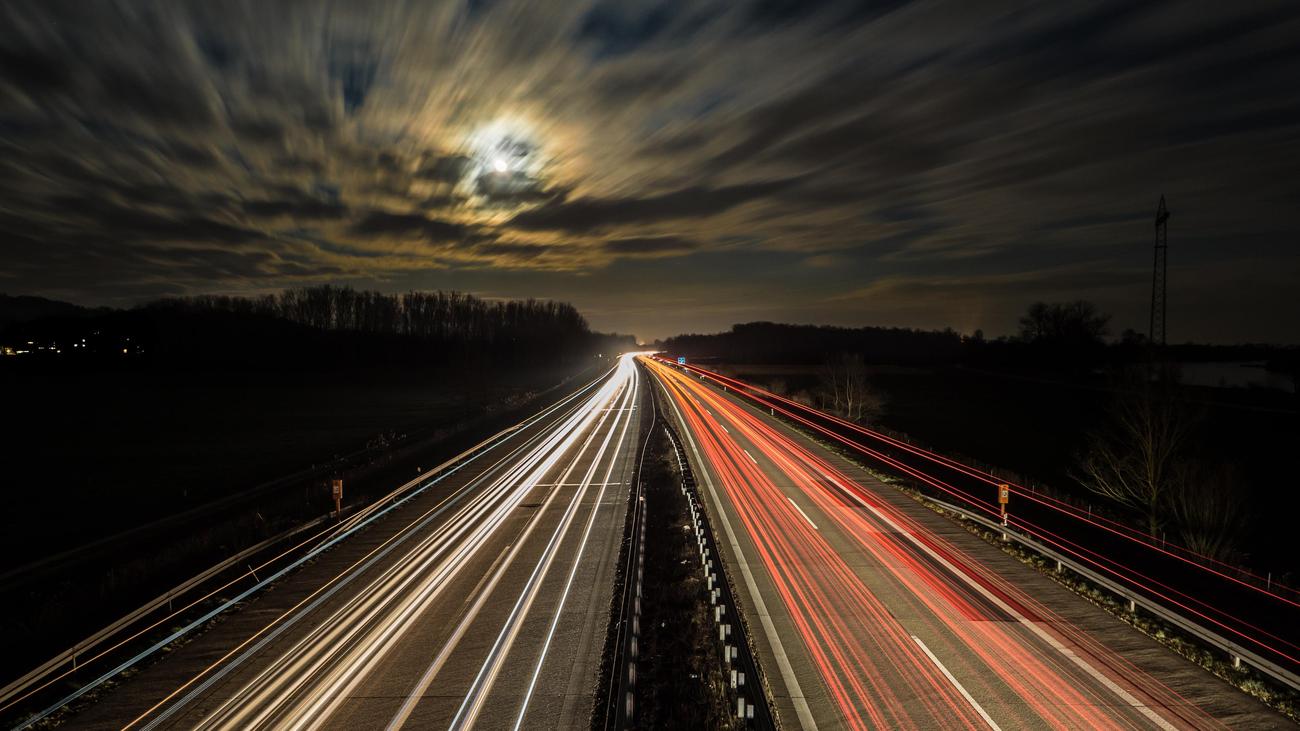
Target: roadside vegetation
680, 682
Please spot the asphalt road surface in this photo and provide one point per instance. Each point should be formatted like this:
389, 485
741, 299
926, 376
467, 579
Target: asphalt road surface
870, 611
484, 601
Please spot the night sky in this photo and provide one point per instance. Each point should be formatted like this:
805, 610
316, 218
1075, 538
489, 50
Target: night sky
667, 167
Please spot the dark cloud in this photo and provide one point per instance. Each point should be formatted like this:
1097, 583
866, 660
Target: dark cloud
858, 160
136, 223
779, 13
264, 131
651, 245
450, 169
589, 214
387, 223
302, 208
34, 71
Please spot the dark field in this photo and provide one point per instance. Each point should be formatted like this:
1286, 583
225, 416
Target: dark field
92, 454
123, 485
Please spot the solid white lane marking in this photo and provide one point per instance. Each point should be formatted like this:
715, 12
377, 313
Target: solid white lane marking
961, 688
801, 512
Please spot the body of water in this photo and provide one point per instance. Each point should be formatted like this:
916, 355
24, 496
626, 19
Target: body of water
1235, 375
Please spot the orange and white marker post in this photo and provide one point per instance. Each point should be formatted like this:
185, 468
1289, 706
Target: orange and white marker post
338, 497
1004, 497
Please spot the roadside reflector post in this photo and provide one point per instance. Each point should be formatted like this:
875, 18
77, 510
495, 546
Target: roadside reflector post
337, 491
1004, 497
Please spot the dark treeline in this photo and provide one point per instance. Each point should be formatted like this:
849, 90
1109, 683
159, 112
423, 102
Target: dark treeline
775, 343
425, 315
1066, 337
319, 327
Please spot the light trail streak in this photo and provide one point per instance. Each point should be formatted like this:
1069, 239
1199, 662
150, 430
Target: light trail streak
1148, 541
861, 651
473, 703
787, 674
1009, 648
582, 547
329, 538
1243, 628
306, 683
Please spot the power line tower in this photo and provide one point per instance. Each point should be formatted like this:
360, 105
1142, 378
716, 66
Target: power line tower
1158, 302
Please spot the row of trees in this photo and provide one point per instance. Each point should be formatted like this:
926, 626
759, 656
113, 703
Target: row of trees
323, 327
429, 315
769, 342
1069, 334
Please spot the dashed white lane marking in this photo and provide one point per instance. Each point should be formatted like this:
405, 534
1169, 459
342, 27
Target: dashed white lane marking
801, 512
961, 688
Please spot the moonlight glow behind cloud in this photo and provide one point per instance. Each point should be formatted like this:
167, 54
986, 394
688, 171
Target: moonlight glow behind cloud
666, 167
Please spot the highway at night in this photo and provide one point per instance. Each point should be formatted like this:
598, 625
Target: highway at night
482, 601
870, 611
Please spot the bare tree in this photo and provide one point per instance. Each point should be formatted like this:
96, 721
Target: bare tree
845, 390
1136, 461
1209, 509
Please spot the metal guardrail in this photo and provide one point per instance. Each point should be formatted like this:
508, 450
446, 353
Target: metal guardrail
70, 655
1236, 652
740, 666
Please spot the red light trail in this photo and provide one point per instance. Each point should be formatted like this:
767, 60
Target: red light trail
903, 629
1238, 604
